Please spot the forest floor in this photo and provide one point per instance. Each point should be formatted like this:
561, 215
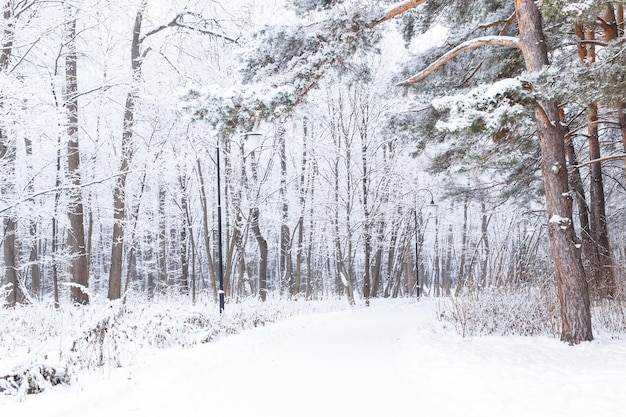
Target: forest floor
392, 359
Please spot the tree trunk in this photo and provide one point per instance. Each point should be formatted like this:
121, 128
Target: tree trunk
184, 237
367, 233
447, 269
261, 242
119, 190
602, 276
162, 274
79, 265
606, 286
589, 247
484, 233
462, 272
303, 193
286, 267
7, 156
34, 242
205, 227
569, 271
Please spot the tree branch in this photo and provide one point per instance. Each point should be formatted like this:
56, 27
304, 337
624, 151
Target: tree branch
507, 41
603, 159
178, 22
396, 11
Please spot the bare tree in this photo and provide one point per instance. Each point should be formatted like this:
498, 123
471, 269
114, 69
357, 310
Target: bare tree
79, 265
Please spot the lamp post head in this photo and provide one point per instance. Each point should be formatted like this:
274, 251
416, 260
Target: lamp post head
254, 139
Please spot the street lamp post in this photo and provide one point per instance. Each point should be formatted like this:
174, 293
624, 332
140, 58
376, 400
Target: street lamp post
417, 275
220, 262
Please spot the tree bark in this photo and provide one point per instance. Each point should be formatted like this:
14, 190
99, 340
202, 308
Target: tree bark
119, 190
570, 274
79, 265
205, 227
286, 266
602, 279
254, 222
7, 156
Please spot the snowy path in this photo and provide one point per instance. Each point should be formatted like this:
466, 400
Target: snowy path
389, 360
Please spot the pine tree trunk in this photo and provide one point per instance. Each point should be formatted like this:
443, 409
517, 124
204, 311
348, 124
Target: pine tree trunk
589, 248
569, 271
606, 286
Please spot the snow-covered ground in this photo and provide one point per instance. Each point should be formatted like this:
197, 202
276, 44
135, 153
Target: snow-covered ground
392, 359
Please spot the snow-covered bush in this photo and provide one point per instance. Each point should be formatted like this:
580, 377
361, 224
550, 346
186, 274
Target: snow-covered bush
522, 310
43, 346
525, 310
610, 316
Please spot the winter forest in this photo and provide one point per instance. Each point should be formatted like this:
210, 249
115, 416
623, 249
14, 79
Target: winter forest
302, 150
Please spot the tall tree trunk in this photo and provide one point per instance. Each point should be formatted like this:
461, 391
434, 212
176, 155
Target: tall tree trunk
484, 233
367, 233
462, 272
447, 269
602, 276
184, 237
309, 261
33, 258
606, 287
119, 190
569, 271
589, 247
286, 268
7, 156
435, 280
79, 265
303, 193
254, 222
205, 228
163, 273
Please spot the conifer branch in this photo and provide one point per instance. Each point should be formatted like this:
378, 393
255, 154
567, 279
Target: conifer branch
396, 11
508, 41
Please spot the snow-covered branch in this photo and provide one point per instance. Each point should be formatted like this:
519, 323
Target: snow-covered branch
178, 22
508, 41
61, 188
396, 10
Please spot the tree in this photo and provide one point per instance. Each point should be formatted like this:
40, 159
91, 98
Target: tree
11, 13
79, 266
569, 271
138, 55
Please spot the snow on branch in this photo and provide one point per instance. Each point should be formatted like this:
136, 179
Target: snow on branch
396, 11
508, 41
178, 21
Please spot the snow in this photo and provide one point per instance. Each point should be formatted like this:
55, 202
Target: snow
563, 222
487, 102
392, 359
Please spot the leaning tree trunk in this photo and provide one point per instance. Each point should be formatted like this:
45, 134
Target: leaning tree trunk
570, 274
